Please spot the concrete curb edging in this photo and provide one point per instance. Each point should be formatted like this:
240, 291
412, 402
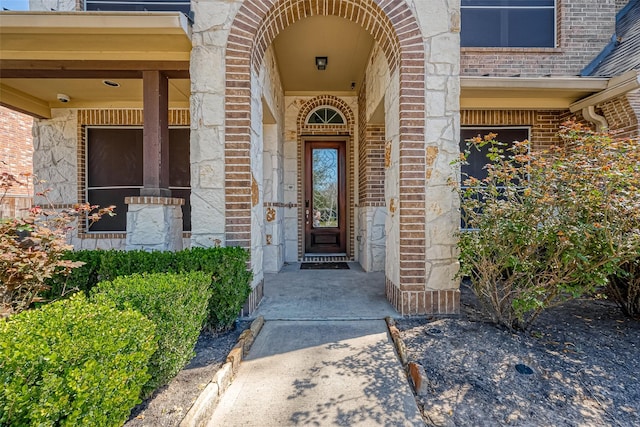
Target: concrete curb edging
415, 371
205, 404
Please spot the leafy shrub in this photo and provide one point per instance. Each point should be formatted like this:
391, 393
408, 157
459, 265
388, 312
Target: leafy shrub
32, 247
231, 281
624, 288
176, 303
73, 363
551, 226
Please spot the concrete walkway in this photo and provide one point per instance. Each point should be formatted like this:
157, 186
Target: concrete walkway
321, 372
295, 294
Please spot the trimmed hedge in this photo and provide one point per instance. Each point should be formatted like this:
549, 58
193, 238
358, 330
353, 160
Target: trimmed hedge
73, 363
176, 303
231, 281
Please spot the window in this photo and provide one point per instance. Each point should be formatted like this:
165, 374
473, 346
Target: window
508, 23
183, 6
114, 171
478, 159
325, 116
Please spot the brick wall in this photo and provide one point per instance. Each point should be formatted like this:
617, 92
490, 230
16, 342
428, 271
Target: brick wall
16, 144
584, 27
544, 124
622, 115
371, 146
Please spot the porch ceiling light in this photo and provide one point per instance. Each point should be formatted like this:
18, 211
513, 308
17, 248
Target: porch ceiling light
321, 63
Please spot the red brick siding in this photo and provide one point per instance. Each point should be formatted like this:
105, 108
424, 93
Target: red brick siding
371, 148
16, 153
621, 115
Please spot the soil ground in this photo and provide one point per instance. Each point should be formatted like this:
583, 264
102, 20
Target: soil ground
169, 404
583, 357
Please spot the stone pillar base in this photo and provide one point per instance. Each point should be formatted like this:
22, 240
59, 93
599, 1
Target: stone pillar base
254, 300
410, 303
154, 223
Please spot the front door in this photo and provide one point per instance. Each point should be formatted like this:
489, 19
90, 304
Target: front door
325, 197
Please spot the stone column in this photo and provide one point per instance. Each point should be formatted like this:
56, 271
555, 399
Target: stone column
154, 223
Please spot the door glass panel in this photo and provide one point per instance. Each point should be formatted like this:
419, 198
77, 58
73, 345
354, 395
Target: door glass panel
325, 187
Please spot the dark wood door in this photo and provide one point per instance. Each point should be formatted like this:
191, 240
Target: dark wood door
325, 197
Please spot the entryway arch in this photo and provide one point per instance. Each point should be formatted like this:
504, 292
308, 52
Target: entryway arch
394, 27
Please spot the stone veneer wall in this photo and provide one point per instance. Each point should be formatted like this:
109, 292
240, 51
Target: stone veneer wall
372, 210
266, 89
584, 27
59, 161
56, 5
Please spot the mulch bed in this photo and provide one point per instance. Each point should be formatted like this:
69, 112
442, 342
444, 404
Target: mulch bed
578, 365
169, 404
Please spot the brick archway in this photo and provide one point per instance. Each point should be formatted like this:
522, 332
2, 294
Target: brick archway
394, 27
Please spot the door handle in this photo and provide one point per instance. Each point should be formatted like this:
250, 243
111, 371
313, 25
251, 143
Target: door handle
306, 211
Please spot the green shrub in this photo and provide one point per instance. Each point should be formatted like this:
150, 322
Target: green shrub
548, 227
73, 363
176, 303
79, 279
231, 281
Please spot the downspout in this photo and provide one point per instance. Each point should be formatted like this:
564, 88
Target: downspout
589, 113
617, 86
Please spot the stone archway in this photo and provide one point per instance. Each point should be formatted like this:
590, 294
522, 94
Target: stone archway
394, 27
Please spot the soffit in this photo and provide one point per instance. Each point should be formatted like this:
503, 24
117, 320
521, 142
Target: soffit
94, 35
43, 54
526, 93
346, 44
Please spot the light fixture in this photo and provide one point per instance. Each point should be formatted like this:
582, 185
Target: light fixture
321, 63
110, 83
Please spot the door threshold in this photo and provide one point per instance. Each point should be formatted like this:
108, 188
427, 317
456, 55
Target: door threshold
335, 257
323, 254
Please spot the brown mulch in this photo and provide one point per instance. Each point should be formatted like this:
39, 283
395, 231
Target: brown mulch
169, 404
579, 366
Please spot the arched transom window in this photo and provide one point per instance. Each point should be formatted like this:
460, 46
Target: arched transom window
325, 116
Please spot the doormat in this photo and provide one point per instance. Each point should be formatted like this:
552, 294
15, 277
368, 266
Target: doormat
324, 266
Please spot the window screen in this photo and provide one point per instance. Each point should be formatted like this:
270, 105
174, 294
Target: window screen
478, 159
508, 23
114, 171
